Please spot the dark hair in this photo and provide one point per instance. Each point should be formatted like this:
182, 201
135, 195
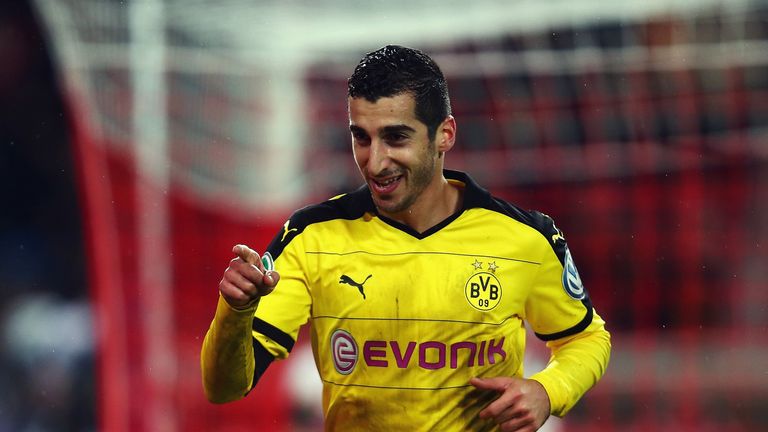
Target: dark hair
392, 70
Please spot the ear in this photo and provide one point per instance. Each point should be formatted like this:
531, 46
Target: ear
446, 134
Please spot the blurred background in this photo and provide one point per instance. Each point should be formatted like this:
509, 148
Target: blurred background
140, 140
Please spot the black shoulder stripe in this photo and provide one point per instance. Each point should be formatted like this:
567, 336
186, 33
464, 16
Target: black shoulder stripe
553, 235
350, 206
274, 333
578, 328
477, 197
536, 220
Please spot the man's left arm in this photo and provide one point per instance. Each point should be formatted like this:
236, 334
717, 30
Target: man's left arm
560, 312
576, 364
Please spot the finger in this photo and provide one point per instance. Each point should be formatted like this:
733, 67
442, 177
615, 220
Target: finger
248, 255
496, 383
507, 414
248, 271
507, 401
513, 417
269, 281
517, 424
241, 282
232, 294
271, 278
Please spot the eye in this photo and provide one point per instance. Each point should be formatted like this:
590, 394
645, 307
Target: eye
395, 137
360, 138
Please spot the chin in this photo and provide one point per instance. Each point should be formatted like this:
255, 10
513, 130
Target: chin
392, 207
385, 206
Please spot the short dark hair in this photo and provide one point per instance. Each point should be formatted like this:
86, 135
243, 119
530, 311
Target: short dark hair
392, 70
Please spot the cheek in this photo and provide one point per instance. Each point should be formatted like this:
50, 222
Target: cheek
361, 155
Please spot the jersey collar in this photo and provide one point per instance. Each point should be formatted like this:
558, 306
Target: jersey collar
474, 196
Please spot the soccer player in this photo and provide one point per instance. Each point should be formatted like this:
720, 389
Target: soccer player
417, 284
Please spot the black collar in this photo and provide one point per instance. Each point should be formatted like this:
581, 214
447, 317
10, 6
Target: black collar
474, 196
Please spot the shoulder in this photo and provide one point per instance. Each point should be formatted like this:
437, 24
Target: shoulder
349, 206
540, 224
532, 218
535, 220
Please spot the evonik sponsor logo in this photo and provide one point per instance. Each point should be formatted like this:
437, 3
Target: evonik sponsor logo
429, 355
344, 351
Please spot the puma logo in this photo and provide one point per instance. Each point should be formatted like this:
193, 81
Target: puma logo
556, 237
348, 280
286, 230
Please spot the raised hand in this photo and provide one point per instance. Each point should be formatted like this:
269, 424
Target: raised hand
246, 280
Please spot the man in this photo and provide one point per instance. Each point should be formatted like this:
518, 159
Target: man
416, 285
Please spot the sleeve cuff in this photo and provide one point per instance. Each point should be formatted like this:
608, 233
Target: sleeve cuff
230, 318
558, 400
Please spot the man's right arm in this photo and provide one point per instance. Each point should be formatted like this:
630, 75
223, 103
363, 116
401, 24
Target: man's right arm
227, 360
230, 356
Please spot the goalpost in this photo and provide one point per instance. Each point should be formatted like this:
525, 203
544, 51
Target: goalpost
198, 123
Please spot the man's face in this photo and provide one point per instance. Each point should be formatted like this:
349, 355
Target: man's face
393, 152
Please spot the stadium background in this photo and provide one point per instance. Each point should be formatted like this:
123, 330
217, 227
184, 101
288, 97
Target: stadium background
141, 140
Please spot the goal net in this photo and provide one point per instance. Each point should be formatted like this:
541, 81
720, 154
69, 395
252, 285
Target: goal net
641, 127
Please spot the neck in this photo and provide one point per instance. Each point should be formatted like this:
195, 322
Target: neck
439, 201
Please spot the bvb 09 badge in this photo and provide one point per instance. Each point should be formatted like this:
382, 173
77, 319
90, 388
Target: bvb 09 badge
483, 289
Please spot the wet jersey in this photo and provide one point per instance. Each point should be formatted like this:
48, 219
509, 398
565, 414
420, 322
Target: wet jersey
401, 320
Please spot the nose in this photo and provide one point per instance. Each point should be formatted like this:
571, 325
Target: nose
379, 157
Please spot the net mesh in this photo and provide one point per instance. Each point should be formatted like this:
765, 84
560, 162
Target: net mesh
643, 134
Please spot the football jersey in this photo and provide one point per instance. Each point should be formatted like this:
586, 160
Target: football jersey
401, 320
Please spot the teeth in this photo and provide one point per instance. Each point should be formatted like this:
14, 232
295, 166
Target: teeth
387, 182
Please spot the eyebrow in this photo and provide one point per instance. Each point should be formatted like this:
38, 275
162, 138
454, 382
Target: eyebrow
396, 128
385, 130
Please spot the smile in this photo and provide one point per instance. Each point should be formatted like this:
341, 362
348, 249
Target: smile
385, 186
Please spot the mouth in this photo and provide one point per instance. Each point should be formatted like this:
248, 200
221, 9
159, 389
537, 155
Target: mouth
385, 186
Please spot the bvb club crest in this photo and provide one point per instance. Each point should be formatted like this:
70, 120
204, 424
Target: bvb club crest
483, 289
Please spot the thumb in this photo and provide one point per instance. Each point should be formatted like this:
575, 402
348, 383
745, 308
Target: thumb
247, 254
271, 278
495, 383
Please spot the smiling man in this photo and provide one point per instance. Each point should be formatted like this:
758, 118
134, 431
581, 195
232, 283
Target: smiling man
417, 285
401, 161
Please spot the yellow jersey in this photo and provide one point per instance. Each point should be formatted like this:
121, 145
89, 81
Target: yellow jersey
401, 320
